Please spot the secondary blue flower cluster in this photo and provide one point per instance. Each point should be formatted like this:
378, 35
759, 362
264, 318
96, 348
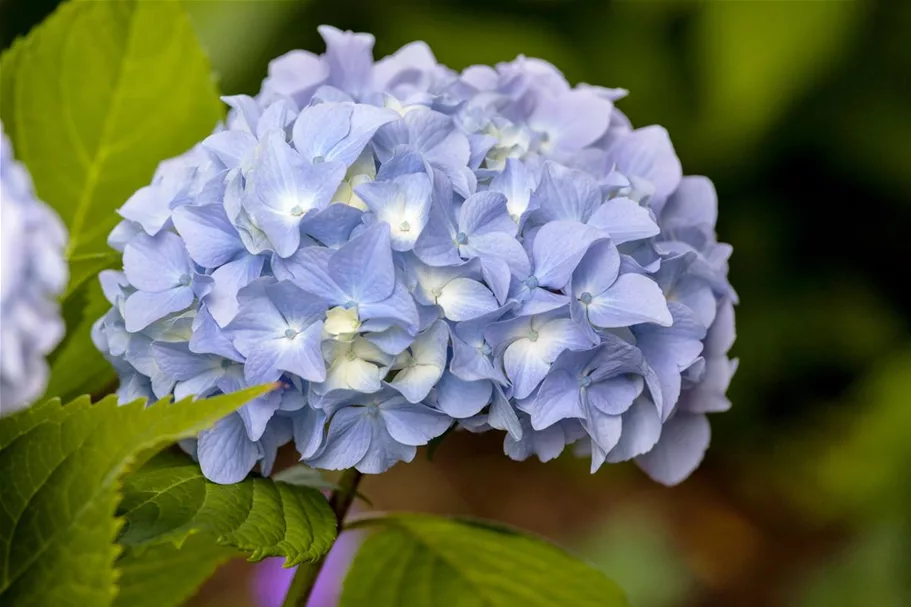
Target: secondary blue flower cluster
407, 248
32, 240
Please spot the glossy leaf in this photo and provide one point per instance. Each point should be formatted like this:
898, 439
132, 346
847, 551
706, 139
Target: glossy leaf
60, 469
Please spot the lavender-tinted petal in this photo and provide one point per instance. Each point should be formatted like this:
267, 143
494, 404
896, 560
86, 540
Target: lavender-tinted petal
226, 455
156, 263
142, 309
459, 398
363, 268
684, 439
211, 239
632, 299
625, 220
558, 248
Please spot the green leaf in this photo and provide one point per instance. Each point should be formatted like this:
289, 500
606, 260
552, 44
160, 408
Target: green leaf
60, 469
86, 266
424, 560
170, 498
93, 99
165, 575
99, 94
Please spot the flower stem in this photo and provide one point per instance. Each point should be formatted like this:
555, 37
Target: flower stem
305, 577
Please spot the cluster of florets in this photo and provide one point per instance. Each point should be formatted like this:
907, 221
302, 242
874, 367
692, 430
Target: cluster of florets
406, 249
33, 275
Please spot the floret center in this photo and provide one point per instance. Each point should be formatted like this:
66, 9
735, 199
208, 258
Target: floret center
405, 226
318, 160
585, 381
462, 238
185, 280
586, 298
297, 210
533, 335
290, 333
531, 282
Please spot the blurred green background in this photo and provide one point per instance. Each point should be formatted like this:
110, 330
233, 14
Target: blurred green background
801, 114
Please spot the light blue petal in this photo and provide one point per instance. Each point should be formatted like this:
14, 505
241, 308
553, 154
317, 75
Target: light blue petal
333, 225
558, 398
625, 220
309, 270
641, 430
393, 340
516, 183
484, 213
209, 236
496, 274
565, 195
633, 299
597, 271
180, 363
309, 426
149, 207
460, 399
296, 307
615, 395
384, 452
156, 263
404, 204
350, 59
277, 434
244, 115
500, 246
142, 309
347, 442
464, 299
229, 279
226, 455
284, 187
684, 439
233, 148
524, 367
649, 154
572, 119
397, 309
502, 416
558, 248
413, 424
208, 338
363, 268
437, 246
295, 75
303, 355
257, 413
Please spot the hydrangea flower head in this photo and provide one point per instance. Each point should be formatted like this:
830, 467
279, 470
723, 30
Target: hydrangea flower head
34, 274
406, 248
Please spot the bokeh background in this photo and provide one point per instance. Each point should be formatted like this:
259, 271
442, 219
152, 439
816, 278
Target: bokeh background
801, 114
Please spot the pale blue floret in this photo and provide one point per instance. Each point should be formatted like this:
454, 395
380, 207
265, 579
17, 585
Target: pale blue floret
34, 274
404, 248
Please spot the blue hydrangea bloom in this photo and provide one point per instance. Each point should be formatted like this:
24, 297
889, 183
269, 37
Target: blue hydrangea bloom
406, 248
34, 274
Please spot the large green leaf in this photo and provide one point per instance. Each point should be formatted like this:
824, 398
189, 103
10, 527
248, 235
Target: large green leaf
170, 499
165, 575
93, 99
96, 96
60, 470
426, 560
